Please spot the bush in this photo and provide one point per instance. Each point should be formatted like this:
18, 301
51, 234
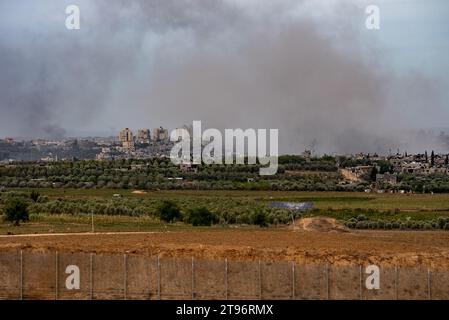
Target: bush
34, 195
350, 224
16, 210
352, 220
260, 218
169, 211
373, 225
427, 226
201, 217
42, 199
361, 225
34, 217
442, 221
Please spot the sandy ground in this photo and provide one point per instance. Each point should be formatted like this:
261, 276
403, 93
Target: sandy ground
428, 249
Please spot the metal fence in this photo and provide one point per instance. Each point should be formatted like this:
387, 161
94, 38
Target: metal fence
44, 275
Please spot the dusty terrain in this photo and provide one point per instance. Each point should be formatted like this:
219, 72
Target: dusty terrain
319, 224
428, 249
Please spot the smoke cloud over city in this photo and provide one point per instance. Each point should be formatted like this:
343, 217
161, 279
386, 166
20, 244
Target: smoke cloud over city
322, 79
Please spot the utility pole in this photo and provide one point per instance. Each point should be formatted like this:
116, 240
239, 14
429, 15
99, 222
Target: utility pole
293, 220
92, 216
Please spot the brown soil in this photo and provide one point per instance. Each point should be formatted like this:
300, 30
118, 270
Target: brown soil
319, 224
403, 248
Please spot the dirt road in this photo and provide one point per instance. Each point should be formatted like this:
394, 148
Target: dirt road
428, 249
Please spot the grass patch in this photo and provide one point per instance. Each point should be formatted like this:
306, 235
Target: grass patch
68, 210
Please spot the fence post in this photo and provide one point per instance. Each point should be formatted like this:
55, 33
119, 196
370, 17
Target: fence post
327, 282
92, 222
125, 278
226, 278
57, 275
293, 281
149, 280
193, 278
260, 282
429, 285
396, 283
158, 278
21, 274
361, 282
91, 276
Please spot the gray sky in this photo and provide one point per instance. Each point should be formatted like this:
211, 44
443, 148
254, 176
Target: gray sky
309, 68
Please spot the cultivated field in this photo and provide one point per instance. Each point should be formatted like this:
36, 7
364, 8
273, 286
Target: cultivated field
146, 235
324, 200
339, 205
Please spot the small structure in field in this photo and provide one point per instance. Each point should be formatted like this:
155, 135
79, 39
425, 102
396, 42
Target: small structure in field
293, 206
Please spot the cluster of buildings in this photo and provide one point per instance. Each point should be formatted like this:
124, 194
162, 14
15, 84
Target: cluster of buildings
145, 143
421, 163
417, 164
142, 143
143, 137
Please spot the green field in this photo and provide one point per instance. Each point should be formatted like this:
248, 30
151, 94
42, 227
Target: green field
83, 223
234, 208
322, 200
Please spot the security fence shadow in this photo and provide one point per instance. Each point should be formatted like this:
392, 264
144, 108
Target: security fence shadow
63, 275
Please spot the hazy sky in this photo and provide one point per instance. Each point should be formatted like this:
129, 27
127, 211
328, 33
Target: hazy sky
309, 68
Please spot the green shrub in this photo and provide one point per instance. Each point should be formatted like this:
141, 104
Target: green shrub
34, 217
16, 210
427, 226
42, 199
360, 225
352, 220
201, 217
260, 218
350, 224
169, 211
34, 195
442, 221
